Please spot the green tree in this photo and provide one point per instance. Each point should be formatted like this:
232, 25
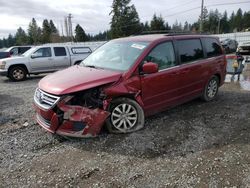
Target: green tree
21, 37
80, 34
125, 20
186, 26
238, 20
224, 24
52, 27
34, 32
246, 20
46, 32
157, 23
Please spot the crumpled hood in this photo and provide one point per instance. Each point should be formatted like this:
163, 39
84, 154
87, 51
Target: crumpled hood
77, 78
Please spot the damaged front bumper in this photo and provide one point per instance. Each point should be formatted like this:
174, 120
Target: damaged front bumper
71, 120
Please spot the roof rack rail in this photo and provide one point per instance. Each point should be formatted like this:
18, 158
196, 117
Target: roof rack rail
170, 32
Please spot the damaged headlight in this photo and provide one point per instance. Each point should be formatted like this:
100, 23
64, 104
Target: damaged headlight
2, 64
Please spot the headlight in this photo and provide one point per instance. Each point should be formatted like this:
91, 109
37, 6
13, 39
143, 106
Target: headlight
2, 64
239, 48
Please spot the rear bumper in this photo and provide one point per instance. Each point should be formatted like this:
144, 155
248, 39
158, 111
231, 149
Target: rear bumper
3, 72
75, 121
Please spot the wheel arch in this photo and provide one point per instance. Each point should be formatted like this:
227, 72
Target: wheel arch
18, 65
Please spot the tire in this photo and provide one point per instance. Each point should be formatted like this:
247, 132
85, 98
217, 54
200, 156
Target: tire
17, 74
211, 90
126, 116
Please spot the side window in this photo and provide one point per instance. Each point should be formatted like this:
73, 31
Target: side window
190, 50
212, 47
42, 52
60, 51
163, 55
14, 51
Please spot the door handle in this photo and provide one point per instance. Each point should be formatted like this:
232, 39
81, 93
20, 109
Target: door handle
50, 58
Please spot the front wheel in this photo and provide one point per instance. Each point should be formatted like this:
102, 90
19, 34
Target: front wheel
17, 73
211, 89
126, 116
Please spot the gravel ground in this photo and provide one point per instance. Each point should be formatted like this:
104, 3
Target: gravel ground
196, 144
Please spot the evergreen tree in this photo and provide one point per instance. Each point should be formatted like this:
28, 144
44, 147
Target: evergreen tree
21, 37
186, 26
52, 27
34, 33
125, 20
238, 20
246, 20
225, 27
46, 32
80, 34
157, 23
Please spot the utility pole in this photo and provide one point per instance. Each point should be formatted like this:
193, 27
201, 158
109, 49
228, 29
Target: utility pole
201, 19
70, 26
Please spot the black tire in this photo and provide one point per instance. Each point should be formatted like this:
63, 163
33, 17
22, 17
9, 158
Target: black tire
211, 90
17, 73
132, 115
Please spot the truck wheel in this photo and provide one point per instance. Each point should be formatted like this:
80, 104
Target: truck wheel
126, 116
17, 73
211, 89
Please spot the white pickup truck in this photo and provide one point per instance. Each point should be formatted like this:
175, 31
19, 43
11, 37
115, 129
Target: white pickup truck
43, 59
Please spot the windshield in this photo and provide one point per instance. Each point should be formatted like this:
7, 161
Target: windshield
29, 52
115, 55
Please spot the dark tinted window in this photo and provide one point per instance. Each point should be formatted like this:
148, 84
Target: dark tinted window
163, 55
190, 50
212, 47
60, 51
23, 49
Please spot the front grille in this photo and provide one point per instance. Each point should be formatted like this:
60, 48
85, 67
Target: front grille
245, 47
45, 100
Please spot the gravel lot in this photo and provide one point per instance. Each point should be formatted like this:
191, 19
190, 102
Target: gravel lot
193, 145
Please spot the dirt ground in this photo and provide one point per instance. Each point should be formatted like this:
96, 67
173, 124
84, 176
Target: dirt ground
196, 144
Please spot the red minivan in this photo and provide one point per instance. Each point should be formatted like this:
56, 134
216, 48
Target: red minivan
127, 79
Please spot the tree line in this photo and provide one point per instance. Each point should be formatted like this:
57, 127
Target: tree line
125, 22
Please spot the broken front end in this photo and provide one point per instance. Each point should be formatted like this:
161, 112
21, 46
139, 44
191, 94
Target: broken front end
81, 114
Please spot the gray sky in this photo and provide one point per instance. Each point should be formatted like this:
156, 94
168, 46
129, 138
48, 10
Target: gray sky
93, 16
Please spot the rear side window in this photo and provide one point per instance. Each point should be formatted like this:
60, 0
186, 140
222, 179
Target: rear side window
163, 55
81, 50
212, 47
60, 51
190, 50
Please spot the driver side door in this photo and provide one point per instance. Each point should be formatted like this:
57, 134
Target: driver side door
161, 89
41, 60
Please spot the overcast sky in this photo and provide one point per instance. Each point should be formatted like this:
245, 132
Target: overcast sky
93, 16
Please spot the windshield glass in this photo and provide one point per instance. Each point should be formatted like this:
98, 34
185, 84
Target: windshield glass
115, 55
29, 52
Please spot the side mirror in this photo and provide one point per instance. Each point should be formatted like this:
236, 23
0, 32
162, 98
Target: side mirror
33, 56
150, 67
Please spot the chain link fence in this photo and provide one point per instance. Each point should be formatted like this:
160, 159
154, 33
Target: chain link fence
239, 37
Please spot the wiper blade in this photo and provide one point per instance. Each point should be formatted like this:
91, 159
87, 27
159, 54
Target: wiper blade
91, 66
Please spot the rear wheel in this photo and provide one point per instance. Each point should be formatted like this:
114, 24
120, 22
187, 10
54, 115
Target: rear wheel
211, 89
126, 116
17, 73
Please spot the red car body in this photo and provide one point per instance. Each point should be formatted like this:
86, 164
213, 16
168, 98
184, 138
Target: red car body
154, 92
